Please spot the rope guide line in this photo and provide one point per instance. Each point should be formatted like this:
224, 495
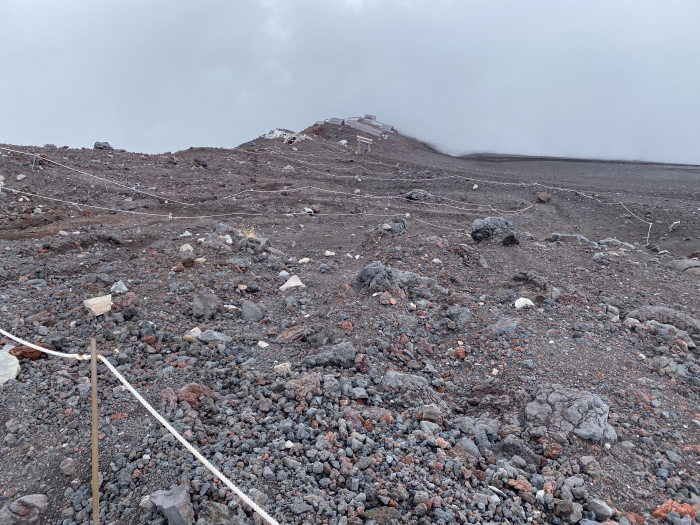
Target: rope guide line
93, 176
45, 350
326, 174
258, 191
171, 216
369, 196
488, 206
160, 419
483, 181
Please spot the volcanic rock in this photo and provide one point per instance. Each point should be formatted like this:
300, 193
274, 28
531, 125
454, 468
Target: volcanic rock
483, 229
175, 505
205, 305
26, 510
340, 355
376, 277
569, 410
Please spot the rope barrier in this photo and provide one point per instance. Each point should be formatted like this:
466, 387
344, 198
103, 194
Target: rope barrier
483, 181
187, 445
369, 196
649, 232
248, 501
250, 191
458, 177
45, 350
243, 214
347, 194
170, 215
444, 177
95, 176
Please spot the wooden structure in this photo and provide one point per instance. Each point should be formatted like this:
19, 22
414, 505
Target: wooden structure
363, 143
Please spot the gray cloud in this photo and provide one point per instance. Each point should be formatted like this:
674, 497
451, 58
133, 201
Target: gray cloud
596, 79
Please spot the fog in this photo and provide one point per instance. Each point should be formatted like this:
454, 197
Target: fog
594, 79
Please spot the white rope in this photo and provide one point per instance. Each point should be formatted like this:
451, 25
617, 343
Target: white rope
351, 195
472, 179
160, 419
242, 214
45, 350
161, 197
84, 205
235, 214
650, 224
377, 197
189, 447
326, 174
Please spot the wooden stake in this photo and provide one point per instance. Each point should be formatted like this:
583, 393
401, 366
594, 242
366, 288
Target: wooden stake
95, 469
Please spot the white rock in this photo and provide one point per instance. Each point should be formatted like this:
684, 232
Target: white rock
186, 248
476, 186
9, 367
63, 234
304, 260
228, 239
99, 305
329, 253
263, 344
283, 369
523, 303
21, 177
119, 287
539, 496
292, 282
193, 335
186, 234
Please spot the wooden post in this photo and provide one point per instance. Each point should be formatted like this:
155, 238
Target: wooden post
95, 469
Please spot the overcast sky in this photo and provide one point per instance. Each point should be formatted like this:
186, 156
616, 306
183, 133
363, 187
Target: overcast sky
603, 79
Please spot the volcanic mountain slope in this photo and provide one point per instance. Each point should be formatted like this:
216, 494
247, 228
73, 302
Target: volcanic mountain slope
400, 384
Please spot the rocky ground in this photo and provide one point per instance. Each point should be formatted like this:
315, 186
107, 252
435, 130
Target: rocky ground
400, 383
